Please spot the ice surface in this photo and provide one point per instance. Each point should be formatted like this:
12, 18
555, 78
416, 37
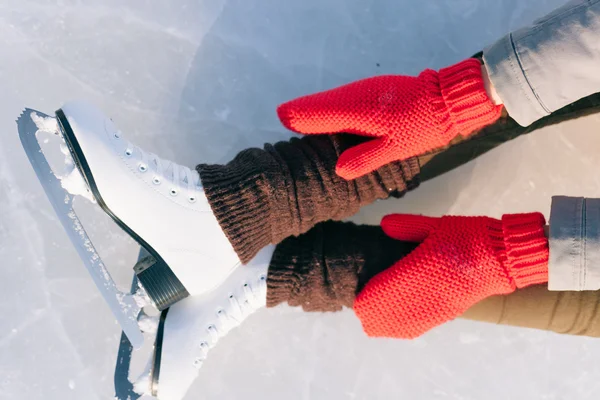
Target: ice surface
198, 81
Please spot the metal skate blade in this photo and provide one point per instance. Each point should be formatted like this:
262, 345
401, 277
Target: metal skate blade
125, 368
122, 304
124, 388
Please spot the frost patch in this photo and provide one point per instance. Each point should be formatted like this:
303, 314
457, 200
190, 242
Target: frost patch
45, 124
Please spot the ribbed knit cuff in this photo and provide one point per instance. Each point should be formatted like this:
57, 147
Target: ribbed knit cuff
288, 270
464, 93
239, 195
323, 269
526, 248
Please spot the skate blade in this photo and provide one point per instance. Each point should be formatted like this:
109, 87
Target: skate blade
158, 280
123, 305
124, 388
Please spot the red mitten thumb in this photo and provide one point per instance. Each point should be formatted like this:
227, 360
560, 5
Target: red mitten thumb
367, 156
409, 227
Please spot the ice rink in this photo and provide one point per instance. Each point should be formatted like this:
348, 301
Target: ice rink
198, 81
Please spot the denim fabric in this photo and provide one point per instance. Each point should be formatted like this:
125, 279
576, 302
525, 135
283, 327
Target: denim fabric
540, 68
574, 262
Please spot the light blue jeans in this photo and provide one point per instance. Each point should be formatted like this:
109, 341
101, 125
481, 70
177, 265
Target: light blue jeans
574, 244
552, 63
537, 70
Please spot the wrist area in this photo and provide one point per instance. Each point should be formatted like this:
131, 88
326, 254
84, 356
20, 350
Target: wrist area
464, 92
526, 247
490, 89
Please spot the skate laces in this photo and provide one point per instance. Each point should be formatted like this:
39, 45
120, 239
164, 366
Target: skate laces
178, 175
238, 308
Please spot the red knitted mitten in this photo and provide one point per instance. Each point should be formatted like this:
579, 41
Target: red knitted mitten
406, 116
460, 261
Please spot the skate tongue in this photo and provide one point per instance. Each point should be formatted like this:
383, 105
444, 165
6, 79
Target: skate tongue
178, 174
169, 171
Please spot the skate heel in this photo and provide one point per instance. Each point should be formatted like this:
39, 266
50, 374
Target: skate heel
160, 283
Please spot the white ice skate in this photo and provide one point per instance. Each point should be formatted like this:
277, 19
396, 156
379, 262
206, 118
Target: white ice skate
189, 329
158, 203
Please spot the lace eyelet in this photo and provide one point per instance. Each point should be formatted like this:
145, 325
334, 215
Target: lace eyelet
198, 362
204, 345
192, 199
117, 135
262, 277
220, 312
211, 328
156, 180
128, 152
173, 192
143, 167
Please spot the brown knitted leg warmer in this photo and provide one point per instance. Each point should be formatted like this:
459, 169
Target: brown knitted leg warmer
264, 196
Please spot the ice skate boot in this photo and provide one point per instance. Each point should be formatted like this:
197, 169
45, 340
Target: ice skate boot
157, 202
191, 328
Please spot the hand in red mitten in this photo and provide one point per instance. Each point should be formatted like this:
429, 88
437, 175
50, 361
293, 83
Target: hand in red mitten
460, 261
406, 116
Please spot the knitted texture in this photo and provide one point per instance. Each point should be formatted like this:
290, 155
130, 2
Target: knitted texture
406, 116
460, 261
324, 269
265, 195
